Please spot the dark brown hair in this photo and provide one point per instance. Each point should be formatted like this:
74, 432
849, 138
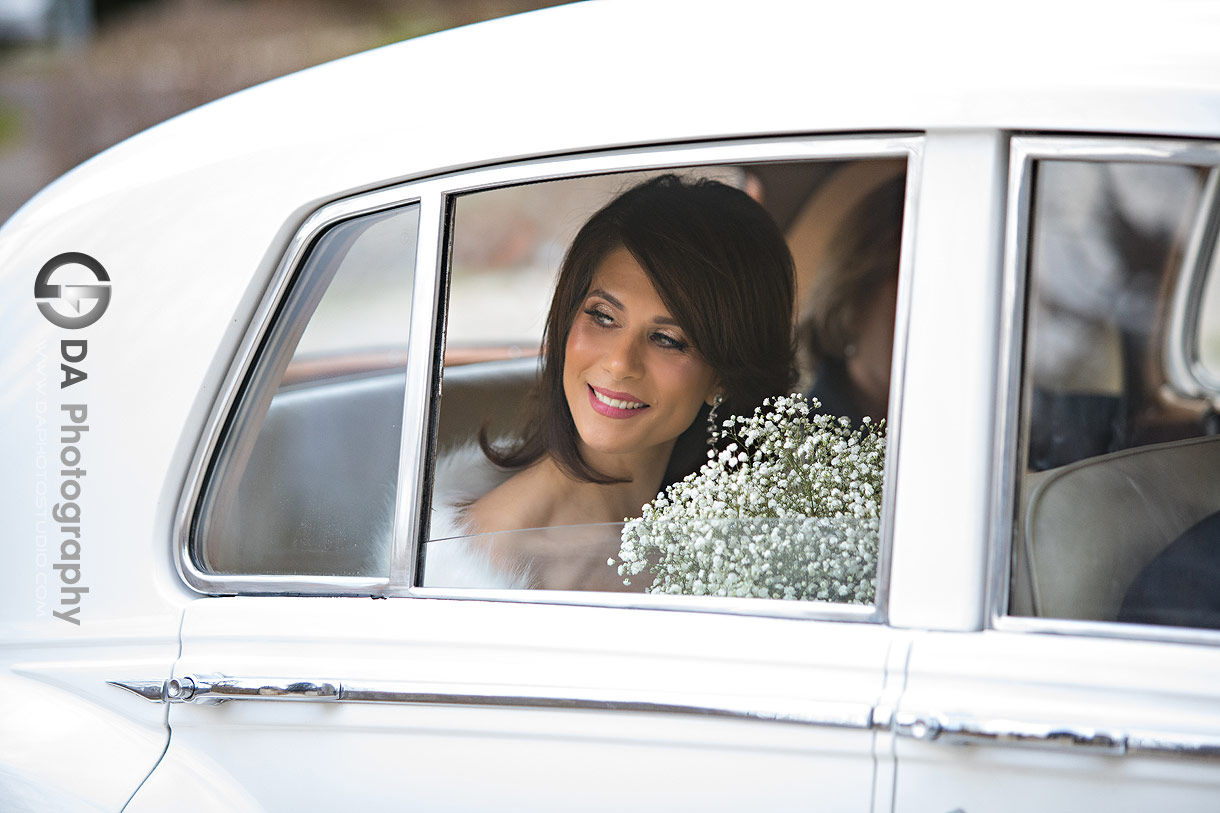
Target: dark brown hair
722, 268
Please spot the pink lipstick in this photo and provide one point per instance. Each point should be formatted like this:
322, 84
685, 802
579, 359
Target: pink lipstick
615, 404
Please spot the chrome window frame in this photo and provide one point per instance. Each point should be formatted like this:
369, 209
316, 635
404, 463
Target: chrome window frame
434, 196
1182, 362
290, 265
1011, 432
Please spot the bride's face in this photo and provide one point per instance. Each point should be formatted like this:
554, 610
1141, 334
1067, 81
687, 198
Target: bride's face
632, 380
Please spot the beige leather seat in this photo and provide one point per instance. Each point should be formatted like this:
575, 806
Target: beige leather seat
317, 492
1089, 528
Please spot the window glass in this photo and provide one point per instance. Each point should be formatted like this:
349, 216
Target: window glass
651, 294
305, 477
507, 244
1118, 469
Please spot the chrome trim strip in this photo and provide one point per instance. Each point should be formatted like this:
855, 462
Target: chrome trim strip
420, 398
1177, 745
428, 279
945, 729
1008, 438
898, 367
773, 608
767, 709
1182, 366
151, 690
956, 730
1107, 629
676, 156
221, 688
1118, 148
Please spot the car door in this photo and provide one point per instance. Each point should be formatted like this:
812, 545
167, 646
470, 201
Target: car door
317, 674
1105, 452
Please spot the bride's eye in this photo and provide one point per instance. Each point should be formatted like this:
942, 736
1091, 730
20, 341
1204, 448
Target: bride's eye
669, 342
600, 316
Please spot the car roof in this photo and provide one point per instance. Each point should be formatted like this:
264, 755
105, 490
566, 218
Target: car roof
601, 74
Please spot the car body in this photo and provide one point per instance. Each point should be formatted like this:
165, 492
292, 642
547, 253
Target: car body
964, 686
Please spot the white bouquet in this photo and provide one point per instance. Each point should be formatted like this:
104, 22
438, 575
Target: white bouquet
790, 509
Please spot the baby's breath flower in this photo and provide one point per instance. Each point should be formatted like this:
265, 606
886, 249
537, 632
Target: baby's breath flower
789, 510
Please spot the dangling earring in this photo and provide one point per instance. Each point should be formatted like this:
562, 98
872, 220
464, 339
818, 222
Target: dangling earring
713, 431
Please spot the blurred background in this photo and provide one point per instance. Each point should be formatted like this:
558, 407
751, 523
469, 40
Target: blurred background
77, 76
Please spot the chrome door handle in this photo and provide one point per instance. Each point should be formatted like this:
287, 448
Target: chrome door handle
967, 731
218, 688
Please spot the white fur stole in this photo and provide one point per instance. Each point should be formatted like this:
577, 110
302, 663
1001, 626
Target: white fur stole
463, 474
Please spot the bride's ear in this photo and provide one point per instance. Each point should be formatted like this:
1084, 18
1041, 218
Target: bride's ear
714, 398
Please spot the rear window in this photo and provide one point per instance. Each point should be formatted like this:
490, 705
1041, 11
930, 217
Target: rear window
1118, 510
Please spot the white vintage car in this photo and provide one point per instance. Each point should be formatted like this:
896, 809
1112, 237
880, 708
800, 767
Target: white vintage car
235, 347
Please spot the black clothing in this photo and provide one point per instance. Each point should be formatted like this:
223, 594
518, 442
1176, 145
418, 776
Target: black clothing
1066, 427
832, 387
1181, 586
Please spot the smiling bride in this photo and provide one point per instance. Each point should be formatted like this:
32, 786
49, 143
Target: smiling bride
673, 301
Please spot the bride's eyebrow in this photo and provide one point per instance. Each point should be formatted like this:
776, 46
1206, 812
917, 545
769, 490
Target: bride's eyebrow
601, 293
598, 292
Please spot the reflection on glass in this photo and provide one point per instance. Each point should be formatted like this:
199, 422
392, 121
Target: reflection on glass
305, 478
803, 558
1117, 483
1103, 236
567, 557
568, 453
507, 243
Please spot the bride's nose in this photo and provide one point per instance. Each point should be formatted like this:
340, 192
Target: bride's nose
624, 357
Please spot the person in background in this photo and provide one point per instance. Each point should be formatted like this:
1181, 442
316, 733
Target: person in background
849, 332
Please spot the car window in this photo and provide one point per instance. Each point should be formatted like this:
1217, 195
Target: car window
805, 528
1117, 503
304, 479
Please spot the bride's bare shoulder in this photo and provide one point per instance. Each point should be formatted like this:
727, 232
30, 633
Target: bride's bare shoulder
519, 502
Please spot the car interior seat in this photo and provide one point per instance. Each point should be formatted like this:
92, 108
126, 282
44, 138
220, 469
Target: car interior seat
317, 493
1088, 528
488, 392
